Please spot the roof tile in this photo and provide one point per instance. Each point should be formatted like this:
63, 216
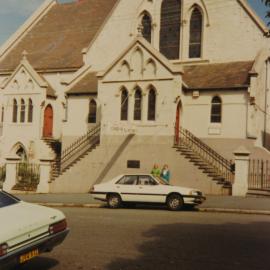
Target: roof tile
57, 40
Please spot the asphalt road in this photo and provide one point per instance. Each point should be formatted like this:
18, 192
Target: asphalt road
159, 239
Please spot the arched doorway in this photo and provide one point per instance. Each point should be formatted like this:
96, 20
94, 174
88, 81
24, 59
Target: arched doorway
48, 122
21, 153
177, 122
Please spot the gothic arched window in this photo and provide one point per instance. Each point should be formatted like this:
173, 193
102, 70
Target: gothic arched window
147, 27
15, 111
22, 113
169, 39
92, 115
138, 105
151, 105
216, 109
124, 105
30, 110
195, 34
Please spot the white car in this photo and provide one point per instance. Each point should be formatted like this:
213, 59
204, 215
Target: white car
27, 230
145, 188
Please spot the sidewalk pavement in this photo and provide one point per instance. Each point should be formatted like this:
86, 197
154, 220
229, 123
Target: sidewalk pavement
224, 204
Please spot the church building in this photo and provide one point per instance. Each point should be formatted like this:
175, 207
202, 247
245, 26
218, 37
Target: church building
98, 88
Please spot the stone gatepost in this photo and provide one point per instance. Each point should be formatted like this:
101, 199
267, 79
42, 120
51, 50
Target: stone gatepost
240, 185
11, 179
45, 175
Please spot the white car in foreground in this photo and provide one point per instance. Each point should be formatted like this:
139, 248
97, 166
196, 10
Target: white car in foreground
27, 230
145, 188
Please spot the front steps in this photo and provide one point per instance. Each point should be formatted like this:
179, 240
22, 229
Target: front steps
204, 166
110, 159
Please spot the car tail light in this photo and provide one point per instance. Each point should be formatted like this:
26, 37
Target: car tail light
3, 249
58, 227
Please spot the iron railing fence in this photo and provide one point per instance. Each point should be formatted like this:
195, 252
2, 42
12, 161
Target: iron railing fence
259, 174
222, 166
80, 146
27, 176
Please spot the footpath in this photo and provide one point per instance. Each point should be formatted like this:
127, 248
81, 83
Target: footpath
223, 204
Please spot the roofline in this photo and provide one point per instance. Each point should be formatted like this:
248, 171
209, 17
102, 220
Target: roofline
81, 94
161, 59
9, 72
253, 15
25, 27
240, 87
78, 75
102, 26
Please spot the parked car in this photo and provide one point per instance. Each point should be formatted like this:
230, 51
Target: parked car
145, 188
27, 230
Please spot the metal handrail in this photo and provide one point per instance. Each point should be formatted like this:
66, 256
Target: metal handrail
91, 138
222, 166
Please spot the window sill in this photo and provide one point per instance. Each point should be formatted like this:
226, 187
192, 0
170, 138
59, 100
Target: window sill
214, 129
191, 61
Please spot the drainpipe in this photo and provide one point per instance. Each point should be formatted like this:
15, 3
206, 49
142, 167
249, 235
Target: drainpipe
265, 102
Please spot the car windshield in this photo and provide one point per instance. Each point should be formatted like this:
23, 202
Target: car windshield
7, 199
161, 181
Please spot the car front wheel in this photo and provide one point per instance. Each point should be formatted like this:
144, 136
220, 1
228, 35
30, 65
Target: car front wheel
113, 200
175, 202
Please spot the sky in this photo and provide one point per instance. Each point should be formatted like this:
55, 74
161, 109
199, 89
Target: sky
14, 12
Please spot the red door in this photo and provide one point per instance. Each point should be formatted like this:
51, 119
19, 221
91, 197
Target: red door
177, 123
48, 122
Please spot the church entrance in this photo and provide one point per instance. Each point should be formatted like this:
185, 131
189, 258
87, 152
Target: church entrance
177, 122
48, 122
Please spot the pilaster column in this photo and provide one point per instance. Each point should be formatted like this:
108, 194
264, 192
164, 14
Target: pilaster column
45, 176
240, 185
11, 175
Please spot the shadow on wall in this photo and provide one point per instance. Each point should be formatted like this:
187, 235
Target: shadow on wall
266, 140
202, 246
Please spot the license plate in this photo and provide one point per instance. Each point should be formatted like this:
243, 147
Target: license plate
28, 256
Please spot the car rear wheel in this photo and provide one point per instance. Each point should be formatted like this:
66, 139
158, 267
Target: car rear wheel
113, 200
175, 202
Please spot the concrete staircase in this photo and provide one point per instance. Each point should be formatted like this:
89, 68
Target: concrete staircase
89, 169
110, 158
55, 146
204, 166
205, 158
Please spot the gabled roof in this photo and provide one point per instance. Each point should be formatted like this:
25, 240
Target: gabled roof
148, 47
253, 15
217, 76
86, 86
56, 41
39, 79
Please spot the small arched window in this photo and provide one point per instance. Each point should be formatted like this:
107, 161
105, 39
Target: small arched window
151, 105
92, 116
195, 34
138, 105
147, 27
124, 105
216, 109
15, 111
30, 110
22, 113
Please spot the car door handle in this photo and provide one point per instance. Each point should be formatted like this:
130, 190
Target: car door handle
117, 187
140, 187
